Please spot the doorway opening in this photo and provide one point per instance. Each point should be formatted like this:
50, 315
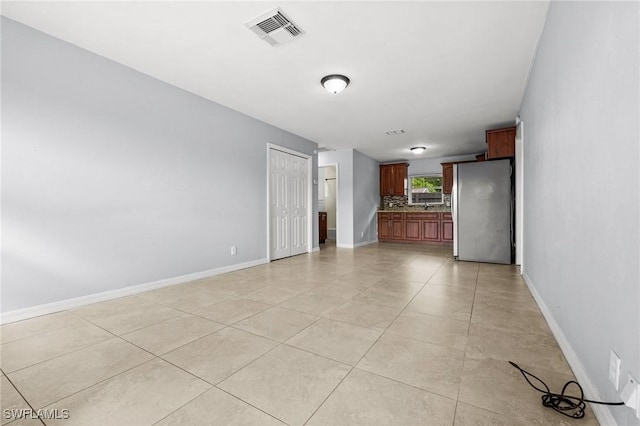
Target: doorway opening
328, 200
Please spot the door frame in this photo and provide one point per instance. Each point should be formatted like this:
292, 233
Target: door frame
310, 222
336, 166
519, 205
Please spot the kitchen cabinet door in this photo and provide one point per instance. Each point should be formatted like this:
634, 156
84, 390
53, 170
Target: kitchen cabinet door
384, 226
384, 229
431, 230
396, 229
447, 230
501, 143
447, 177
411, 229
399, 179
393, 178
386, 175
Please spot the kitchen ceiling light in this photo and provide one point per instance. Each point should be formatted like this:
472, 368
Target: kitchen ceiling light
418, 150
335, 83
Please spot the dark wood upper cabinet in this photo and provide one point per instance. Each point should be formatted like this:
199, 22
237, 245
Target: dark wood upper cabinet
393, 178
501, 143
447, 177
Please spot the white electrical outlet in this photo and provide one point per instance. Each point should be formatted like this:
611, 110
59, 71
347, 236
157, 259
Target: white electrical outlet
234, 250
614, 369
362, 235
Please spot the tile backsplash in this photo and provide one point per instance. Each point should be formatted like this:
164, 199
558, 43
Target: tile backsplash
394, 201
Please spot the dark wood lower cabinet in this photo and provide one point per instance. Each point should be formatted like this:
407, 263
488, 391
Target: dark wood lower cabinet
412, 230
396, 229
431, 230
390, 226
425, 227
384, 230
447, 227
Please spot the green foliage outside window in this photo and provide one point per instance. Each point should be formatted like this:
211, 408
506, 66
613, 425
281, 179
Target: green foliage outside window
432, 184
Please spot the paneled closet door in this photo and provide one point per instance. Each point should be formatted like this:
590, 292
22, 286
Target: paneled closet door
298, 196
288, 204
279, 205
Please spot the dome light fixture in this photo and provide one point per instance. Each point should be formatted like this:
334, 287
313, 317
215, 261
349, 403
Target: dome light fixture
335, 83
417, 150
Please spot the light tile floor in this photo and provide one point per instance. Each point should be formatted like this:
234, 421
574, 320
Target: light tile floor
387, 334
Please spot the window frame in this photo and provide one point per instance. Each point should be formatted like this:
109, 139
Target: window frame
427, 175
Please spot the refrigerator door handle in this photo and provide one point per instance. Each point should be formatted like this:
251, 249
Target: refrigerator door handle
454, 210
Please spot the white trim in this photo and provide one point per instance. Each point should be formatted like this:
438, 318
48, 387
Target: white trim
76, 302
316, 249
310, 218
602, 413
519, 192
336, 166
352, 246
313, 217
409, 188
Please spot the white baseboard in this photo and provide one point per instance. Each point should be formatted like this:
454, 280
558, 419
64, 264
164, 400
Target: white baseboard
76, 302
331, 233
315, 249
352, 246
601, 412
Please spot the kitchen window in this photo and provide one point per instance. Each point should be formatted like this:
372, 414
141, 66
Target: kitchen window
425, 189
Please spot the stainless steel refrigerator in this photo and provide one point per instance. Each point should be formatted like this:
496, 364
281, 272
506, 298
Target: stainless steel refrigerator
482, 209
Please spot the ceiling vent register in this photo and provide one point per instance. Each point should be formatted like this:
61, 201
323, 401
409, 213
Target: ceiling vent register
274, 28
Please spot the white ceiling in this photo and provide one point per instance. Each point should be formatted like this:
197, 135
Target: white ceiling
442, 71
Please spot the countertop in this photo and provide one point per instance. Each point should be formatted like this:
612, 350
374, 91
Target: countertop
434, 209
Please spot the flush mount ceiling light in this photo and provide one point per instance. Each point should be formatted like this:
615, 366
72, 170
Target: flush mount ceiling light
335, 83
418, 149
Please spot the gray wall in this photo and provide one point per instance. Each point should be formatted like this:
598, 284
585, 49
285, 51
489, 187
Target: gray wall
425, 166
366, 198
358, 195
111, 178
581, 255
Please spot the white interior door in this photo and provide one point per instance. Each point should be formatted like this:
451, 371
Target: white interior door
279, 205
298, 195
288, 203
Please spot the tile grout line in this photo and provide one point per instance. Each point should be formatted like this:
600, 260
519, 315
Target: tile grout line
154, 357
278, 343
464, 356
23, 398
368, 350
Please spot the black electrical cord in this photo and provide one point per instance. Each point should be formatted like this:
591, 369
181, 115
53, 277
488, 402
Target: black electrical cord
567, 405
